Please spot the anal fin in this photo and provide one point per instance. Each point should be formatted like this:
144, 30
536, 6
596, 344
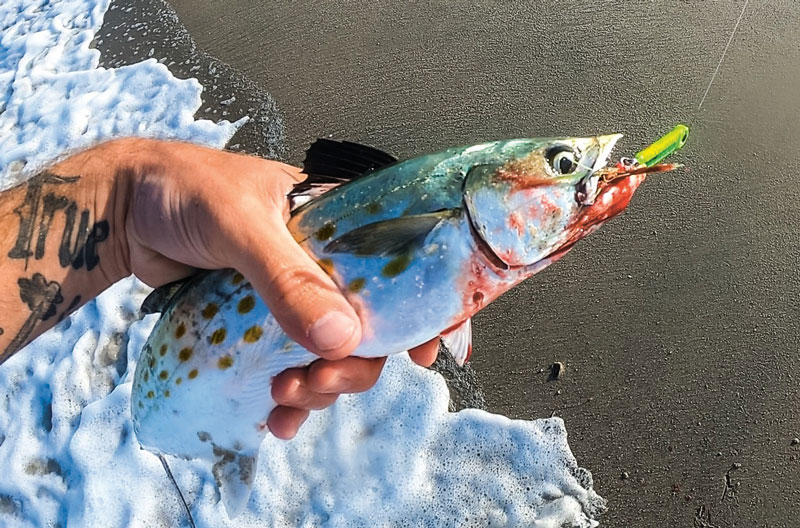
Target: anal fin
458, 341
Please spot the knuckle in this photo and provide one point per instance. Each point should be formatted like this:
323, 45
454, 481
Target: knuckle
287, 281
286, 387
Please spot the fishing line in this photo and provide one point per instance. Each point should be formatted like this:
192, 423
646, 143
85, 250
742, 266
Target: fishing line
722, 58
178, 489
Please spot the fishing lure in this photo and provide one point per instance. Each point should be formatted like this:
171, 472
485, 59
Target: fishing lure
418, 247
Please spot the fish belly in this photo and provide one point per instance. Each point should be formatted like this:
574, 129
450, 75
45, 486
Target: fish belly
203, 381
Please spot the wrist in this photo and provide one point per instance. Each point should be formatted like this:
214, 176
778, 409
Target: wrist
108, 172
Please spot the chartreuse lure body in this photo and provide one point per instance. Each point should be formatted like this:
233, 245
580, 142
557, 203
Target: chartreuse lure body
663, 147
417, 246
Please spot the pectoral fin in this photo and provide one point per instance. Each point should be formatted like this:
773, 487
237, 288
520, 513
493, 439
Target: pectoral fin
392, 237
234, 473
160, 299
459, 342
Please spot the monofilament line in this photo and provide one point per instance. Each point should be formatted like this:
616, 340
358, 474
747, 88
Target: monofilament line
741, 15
178, 488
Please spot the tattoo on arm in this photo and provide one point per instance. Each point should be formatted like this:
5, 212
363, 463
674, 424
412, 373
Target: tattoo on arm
78, 247
68, 310
42, 204
84, 249
41, 296
28, 212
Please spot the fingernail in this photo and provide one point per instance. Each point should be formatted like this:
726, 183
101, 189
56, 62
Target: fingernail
332, 330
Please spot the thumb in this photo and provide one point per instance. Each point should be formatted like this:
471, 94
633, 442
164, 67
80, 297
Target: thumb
304, 300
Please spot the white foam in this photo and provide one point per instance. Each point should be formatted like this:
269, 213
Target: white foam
392, 456
55, 99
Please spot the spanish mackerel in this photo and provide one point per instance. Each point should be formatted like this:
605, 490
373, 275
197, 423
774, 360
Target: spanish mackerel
417, 247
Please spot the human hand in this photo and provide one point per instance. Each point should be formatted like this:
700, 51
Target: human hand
193, 207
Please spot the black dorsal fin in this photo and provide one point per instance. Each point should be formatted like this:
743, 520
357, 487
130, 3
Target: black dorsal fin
330, 163
343, 160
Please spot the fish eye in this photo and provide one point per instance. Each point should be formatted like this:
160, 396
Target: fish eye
563, 160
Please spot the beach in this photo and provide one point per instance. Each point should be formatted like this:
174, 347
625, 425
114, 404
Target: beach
677, 322
675, 325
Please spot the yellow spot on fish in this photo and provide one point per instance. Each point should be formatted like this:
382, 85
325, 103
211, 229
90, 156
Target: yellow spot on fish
246, 304
178, 381
396, 266
185, 354
193, 374
163, 374
237, 278
147, 376
253, 334
151, 394
210, 311
326, 265
162, 351
373, 207
166, 393
218, 336
356, 285
225, 362
325, 232
180, 330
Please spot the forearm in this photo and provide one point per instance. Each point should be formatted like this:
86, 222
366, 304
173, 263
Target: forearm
60, 240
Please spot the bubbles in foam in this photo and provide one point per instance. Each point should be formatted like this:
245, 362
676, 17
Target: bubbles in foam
55, 100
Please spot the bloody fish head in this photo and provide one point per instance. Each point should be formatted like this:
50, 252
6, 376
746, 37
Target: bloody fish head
544, 195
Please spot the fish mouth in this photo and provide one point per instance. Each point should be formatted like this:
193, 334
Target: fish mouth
614, 189
616, 184
607, 144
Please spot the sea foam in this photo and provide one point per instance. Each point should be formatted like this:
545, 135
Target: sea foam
393, 456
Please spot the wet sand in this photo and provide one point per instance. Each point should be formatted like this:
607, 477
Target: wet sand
677, 322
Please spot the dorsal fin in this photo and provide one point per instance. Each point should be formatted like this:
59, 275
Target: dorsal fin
330, 163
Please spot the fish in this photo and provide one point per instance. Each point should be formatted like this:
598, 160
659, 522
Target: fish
418, 247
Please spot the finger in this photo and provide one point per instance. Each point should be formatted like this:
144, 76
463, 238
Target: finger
348, 375
425, 354
304, 300
290, 388
156, 270
295, 173
284, 422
